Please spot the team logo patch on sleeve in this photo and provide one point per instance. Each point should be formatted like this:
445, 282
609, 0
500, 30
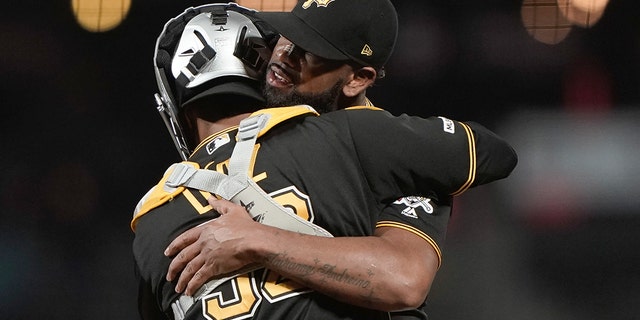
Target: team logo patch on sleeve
412, 203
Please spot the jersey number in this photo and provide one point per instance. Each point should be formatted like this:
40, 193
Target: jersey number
240, 297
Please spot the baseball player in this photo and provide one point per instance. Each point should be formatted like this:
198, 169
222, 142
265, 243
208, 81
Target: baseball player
339, 171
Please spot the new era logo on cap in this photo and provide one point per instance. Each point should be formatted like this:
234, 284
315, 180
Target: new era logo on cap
366, 50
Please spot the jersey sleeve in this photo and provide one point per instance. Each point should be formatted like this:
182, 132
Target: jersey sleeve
425, 217
413, 155
495, 158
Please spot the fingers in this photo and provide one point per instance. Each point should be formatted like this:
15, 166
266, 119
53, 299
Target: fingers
195, 272
224, 207
185, 248
194, 262
182, 241
197, 280
183, 261
220, 205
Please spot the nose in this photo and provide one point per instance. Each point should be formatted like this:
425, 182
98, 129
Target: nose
286, 51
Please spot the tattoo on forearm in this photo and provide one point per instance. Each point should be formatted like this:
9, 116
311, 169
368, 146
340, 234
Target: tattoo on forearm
282, 261
328, 272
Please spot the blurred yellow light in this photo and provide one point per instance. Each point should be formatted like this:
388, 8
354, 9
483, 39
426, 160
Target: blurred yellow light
583, 13
268, 5
544, 22
100, 15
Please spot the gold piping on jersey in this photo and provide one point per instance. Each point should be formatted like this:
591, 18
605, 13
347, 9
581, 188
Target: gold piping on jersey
416, 231
364, 108
278, 115
281, 114
367, 105
159, 195
472, 160
368, 102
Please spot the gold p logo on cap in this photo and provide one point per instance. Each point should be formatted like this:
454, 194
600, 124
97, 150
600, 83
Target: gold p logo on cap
319, 3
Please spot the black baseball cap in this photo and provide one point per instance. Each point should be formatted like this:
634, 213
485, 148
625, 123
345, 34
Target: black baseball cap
363, 31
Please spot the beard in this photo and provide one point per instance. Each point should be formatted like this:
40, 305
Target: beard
323, 102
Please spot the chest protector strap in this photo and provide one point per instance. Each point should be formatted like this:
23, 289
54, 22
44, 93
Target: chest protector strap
238, 188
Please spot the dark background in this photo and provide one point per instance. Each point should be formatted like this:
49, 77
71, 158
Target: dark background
82, 142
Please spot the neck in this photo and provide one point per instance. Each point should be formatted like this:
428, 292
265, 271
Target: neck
360, 101
346, 102
207, 128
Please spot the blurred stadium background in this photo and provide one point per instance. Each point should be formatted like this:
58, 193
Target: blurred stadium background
560, 79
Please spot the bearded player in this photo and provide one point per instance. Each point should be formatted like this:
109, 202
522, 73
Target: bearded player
300, 160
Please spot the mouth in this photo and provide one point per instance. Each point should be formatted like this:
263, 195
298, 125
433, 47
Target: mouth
278, 77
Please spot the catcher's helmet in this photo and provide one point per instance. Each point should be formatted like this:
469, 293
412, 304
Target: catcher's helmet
204, 52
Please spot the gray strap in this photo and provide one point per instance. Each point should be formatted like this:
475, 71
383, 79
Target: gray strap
184, 302
247, 135
238, 188
225, 186
246, 192
181, 305
265, 210
186, 175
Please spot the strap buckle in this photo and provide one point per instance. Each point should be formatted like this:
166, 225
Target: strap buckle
180, 174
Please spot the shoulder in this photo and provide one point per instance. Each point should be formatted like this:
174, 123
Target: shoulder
380, 121
360, 115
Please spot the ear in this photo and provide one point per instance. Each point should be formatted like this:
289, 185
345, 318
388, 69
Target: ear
363, 78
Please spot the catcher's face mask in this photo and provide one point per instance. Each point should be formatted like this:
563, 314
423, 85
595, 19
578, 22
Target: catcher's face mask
199, 53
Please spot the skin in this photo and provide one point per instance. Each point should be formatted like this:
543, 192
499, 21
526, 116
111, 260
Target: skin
397, 277
397, 266
299, 77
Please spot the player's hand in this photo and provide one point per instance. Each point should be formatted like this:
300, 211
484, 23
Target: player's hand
212, 250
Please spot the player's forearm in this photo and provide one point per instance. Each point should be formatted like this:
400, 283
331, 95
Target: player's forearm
363, 271
391, 270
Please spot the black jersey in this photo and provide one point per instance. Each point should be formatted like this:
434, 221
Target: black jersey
338, 170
